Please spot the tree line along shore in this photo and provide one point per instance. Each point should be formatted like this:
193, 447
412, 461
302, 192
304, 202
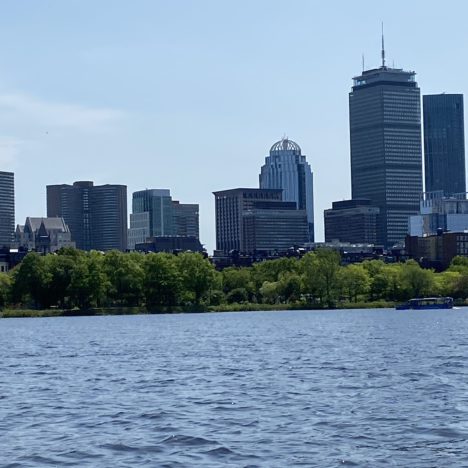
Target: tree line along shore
74, 282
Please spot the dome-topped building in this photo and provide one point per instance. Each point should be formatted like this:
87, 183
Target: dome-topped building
286, 168
286, 145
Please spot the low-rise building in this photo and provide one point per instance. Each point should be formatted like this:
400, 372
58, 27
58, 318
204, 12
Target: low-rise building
10, 257
437, 251
170, 244
353, 221
44, 235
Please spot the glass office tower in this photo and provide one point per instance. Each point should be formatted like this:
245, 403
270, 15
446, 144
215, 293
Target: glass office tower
444, 143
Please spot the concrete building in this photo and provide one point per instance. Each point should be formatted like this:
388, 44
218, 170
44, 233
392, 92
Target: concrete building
286, 168
444, 143
252, 220
7, 208
353, 221
439, 212
96, 215
386, 154
155, 214
43, 235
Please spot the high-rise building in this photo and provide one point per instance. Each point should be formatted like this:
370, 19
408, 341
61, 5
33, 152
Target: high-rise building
96, 215
7, 208
155, 214
353, 221
286, 168
258, 220
444, 143
186, 219
158, 204
386, 156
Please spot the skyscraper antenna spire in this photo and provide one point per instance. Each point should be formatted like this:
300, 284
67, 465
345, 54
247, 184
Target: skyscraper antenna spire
363, 63
383, 48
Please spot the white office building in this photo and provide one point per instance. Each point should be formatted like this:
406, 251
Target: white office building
440, 212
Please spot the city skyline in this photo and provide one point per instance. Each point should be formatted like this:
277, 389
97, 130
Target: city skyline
176, 97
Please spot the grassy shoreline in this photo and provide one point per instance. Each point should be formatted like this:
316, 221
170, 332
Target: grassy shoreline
245, 307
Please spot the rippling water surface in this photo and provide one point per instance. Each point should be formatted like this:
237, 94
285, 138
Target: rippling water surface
268, 389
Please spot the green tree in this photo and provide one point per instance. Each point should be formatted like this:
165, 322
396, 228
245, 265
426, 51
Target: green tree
269, 292
272, 269
289, 287
373, 267
32, 280
461, 286
237, 296
416, 281
197, 274
394, 289
320, 275
446, 283
234, 278
126, 275
459, 263
355, 281
5, 287
61, 269
89, 284
162, 281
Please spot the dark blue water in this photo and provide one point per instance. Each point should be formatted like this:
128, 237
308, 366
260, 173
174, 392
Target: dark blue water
270, 389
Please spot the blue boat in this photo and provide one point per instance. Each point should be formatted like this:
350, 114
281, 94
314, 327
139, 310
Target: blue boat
423, 303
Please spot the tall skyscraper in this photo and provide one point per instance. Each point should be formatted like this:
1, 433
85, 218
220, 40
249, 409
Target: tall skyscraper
286, 168
386, 154
7, 207
96, 215
258, 220
444, 143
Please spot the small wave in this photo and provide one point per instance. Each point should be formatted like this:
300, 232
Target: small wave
220, 451
120, 447
187, 440
159, 415
348, 463
130, 448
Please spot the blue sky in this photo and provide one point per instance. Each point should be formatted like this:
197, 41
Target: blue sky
190, 95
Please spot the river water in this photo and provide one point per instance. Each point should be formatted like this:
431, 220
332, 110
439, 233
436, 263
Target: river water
268, 389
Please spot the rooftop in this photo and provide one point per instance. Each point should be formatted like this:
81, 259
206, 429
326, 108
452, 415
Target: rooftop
285, 145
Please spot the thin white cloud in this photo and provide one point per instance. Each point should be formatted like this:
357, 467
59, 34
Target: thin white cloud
32, 110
